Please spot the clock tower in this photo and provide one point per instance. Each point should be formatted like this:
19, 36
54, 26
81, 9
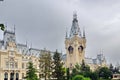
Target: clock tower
75, 44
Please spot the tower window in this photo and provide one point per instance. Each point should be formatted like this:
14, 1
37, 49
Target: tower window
70, 49
80, 48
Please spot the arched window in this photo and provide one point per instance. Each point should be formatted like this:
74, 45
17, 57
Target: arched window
70, 49
12, 76
17, 76
6, 76
80, 49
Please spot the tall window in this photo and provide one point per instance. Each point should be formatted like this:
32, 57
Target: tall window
23, 66
17, 76
7, 64
27, 65
6, 75
22, 75
11, 64
16, 65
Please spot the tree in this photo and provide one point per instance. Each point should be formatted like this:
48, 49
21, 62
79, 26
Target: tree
111, 67
93, 76
116, 70
2, 27
31, 72
58, 70
84, 67
68, 74
80, 77
85, 71
46, 64
104, 73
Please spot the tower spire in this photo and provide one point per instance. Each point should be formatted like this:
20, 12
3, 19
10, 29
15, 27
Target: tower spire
14, 28
75, 30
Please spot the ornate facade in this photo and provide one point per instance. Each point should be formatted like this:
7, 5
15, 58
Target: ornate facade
14, 57
75, 44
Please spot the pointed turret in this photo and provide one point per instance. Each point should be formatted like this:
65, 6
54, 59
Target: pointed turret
66, 35
84, 33
75, 30
14, 28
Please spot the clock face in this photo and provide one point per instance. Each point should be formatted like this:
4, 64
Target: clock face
80, 48
70, 49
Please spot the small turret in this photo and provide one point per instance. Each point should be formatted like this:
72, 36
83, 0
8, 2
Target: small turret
66, 36
9, 36
84, 33
14, 28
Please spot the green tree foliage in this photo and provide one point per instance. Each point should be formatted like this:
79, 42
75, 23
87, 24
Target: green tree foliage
80, 77
58, 70
45, 64
68, 74
111, 67
93, 76
81, 69
104, 73
31, 72
84, 68
85, 71
2, 27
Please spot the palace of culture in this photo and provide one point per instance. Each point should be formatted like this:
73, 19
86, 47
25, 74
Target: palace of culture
14, 57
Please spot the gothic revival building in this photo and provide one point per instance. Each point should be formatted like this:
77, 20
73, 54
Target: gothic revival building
75, 44
14, 57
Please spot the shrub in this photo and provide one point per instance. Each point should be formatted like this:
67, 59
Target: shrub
80, 77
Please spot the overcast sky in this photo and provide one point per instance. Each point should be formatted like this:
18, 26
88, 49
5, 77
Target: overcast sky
43, 23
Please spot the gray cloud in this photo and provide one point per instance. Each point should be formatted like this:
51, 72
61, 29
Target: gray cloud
43, 23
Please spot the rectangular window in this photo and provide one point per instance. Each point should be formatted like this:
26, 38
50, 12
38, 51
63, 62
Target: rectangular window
7, 64
16, 65
22, 75
11, 65
22, 65
27, 65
